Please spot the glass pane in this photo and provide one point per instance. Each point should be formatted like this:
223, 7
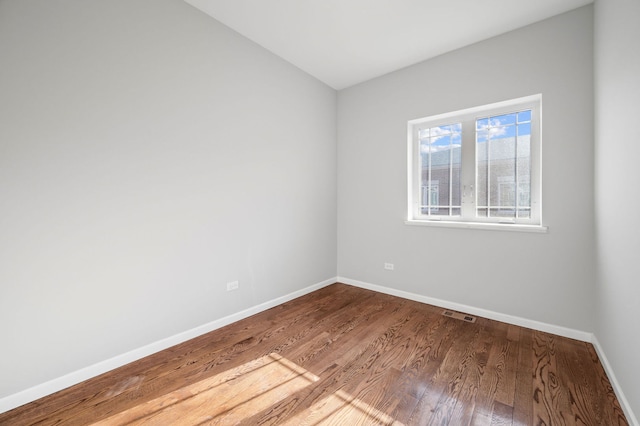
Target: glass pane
482, 160
441, 211
524, 129
440, 158
503, 166
524, 116
523, 171
440, 130
524, 197
501, 213
502, 131
482, 123
524, 213
501, 120
502, 178
456, 166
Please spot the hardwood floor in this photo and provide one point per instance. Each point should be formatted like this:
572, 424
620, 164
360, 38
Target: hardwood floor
347, 356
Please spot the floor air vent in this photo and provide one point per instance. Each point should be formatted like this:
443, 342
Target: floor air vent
460, 316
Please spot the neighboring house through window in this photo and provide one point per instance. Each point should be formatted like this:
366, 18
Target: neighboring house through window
430, 201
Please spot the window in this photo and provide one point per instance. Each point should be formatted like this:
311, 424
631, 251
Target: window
477, 167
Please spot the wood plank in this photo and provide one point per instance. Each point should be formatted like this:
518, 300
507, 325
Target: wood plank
523, 392
610, 406
345, 355
489, 375
551, 399
446, 385
502, 415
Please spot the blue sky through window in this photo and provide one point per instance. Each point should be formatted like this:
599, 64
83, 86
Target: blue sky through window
504, 126
440, 138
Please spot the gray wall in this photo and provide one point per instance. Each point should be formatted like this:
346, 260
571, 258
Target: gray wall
544, 277
148, 155
617, 178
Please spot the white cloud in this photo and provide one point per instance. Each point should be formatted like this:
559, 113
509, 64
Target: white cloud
494, 127
440, 132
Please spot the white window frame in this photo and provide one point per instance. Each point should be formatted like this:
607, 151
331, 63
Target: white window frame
468, 217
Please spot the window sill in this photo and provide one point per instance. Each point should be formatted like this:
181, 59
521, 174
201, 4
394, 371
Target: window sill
513, 227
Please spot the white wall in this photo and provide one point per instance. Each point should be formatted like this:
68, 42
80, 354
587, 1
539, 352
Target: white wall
544, 277
617, 178
148, 155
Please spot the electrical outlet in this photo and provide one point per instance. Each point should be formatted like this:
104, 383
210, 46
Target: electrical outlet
388, 266
233, 285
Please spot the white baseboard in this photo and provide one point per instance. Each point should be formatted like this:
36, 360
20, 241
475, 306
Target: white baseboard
624, 403
28, 395
510, 319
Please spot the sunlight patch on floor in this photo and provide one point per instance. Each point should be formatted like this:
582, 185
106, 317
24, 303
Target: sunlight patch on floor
340, 408
226, 398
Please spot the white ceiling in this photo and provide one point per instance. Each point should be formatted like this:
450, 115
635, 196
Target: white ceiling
345, 42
